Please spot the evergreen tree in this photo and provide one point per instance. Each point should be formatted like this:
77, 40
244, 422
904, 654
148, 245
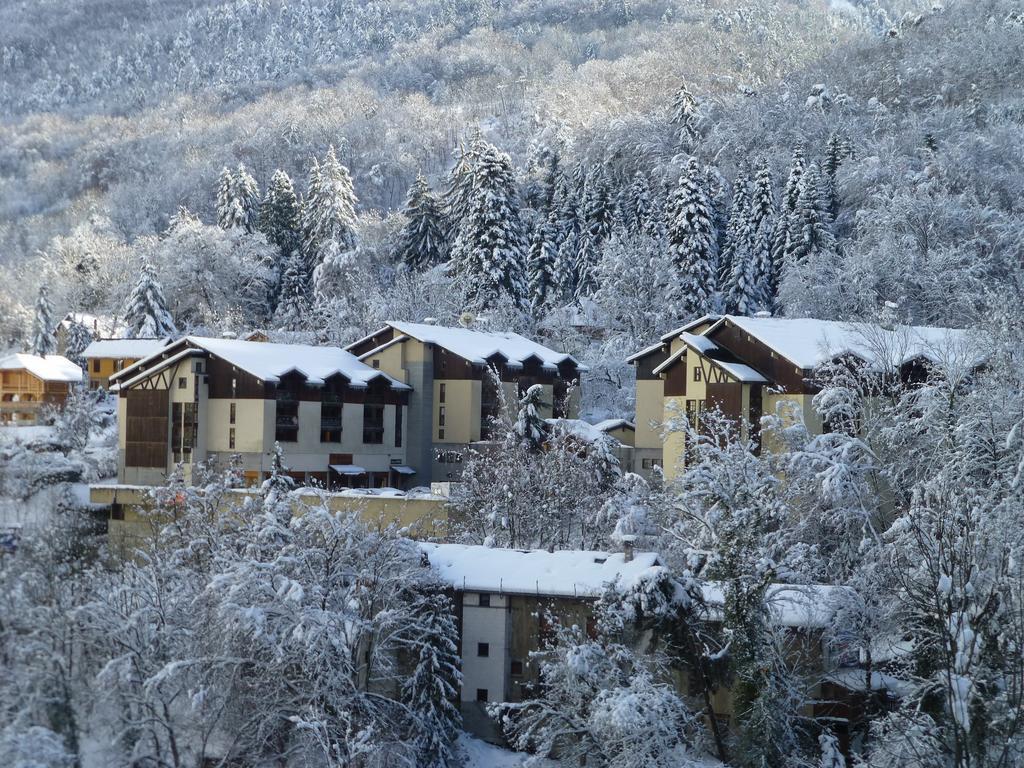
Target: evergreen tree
78, 338
543, 258
458, 197
328, 212
686, 117
599, 209
225, 199
247, 197
279, 215
421, 243
692, 243
763, 219
292, 304
585, 268
810, 223
640, 217
742, 295
180, 218
146, 314
489, 256
44, 342
530, 425
734, 243
569, 230
432, 688
837, 149
788, 204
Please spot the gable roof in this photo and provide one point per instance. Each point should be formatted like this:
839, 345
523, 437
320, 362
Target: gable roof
49, 368
667, 338
124, 348
477, 346
808, 343
716, 355
609, 424
564, 573
268, 361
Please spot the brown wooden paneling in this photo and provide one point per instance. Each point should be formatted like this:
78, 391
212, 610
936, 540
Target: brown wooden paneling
645, 365
675, 378
220, 374
726, 397
381, 337
146, 428
777, 369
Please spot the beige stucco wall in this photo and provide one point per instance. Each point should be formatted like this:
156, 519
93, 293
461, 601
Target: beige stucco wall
650, 409
393, 360
462, 410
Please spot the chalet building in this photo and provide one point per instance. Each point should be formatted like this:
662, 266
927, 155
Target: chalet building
30, 382
339, 422
454, 397
650, 392
746, 367
507, 602
105, 357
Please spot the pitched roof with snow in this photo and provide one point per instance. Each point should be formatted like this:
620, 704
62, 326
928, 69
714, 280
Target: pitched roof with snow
671, 336
808, 343
609, 424
479, 346
810, 606
565, 573
268, 361
121, 349
49, 368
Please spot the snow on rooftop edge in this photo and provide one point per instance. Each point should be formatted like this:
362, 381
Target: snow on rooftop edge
569, 573
121, 348
49, 368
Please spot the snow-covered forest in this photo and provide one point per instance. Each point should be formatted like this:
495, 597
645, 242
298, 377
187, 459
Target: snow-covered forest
591, 175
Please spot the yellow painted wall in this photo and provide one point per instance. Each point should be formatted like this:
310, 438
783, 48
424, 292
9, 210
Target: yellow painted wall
250, 416
392, 360
462, 410
650, 409
108, 366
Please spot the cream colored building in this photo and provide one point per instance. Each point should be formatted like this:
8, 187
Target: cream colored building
339, 422
454, 398
105, 357
748, 367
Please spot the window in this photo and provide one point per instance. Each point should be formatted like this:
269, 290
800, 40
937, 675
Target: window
483, 649
485, 601
441, 412
481, 694
376, 363
231, 438
398, 425
373, 423
182, 382
96, 365
330, 414
184, 430
231, 414
199, 366
234, 387
440, 436
517, 668
696, 373
286, 423
649, 463
442, 393
116, 512
489, 405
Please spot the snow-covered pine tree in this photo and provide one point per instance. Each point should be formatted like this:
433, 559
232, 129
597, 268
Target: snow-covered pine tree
692, 243
837, 149
763, 219
458, 195
639, 215
292, 303
810, 223
422, 242
279, 215
530, 426
247, 200
599, 208
328, 212
44, 342
225, 199
146, 314
743, 294
489, 255
810, 276
567, 206
543, 257
432, 688
735, 245
180, 218
686, 117
78, 338
786, 207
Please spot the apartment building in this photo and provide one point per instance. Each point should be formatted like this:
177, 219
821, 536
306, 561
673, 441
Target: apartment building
105, 357
507, 602
339, 422
454, 396
746, 367
29, 383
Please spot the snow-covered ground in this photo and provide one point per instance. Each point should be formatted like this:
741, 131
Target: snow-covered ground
480, 754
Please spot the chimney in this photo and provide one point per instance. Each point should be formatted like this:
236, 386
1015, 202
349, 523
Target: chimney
627, 547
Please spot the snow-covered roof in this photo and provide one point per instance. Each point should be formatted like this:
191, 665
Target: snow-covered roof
478, 346
268, 361
609, 424
565, 573
807, 342
121, 349
645, 352
674, 334
809, 606
584, 430
49, 368
714, 353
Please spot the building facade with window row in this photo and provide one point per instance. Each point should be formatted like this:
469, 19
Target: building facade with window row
339, 422
454, 392
105, 357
